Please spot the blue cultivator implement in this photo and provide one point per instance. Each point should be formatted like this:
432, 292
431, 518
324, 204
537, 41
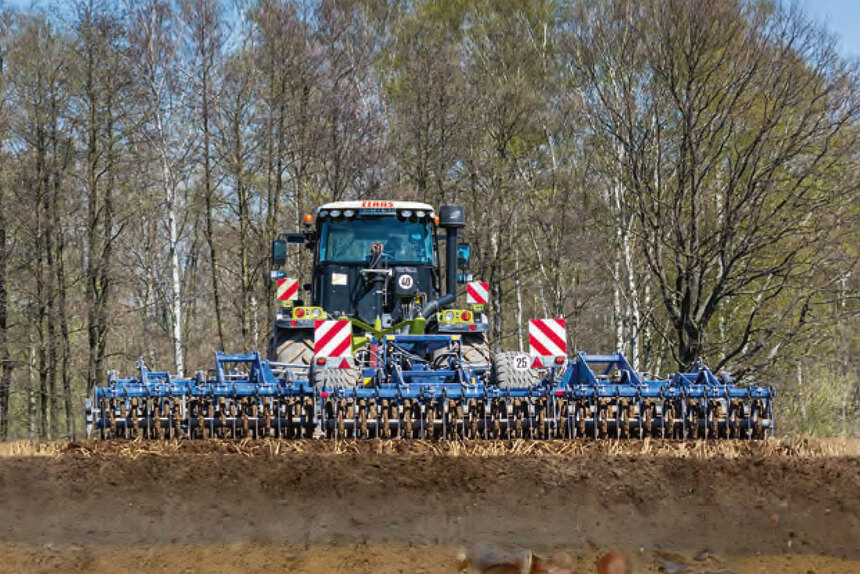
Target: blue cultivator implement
419, 386
603, 396
243, 396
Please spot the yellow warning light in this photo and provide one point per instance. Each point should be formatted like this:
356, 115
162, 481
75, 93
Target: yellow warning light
308, 219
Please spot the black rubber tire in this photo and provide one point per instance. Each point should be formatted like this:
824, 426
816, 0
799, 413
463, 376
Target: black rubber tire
476, 350
291, 346
507, 376
346, 378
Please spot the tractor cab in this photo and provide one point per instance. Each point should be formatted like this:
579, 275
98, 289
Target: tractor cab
375, 260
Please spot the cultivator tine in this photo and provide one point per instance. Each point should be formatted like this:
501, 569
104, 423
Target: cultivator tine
408, 412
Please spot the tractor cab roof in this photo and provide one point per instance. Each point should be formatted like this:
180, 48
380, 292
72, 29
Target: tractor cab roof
376, 204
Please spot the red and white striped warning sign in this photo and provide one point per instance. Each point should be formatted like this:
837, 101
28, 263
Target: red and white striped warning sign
477, 292
332, 339
288, 289
547, 338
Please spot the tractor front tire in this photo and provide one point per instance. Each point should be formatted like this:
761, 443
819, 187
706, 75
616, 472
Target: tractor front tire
288, 346
506, 375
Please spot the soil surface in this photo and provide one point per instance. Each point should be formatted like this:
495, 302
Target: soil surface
394, 507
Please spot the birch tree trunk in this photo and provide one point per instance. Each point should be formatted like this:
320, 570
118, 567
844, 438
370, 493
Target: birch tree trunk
518, 289
5, 359
176, 285
168, 187
160, 65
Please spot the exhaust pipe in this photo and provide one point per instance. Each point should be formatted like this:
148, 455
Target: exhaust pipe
451, 218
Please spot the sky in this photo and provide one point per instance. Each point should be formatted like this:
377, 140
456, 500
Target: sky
842, 18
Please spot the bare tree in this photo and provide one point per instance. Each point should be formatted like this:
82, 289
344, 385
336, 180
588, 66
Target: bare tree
237, 151
729, 132
202, 20
429, 103
103, 79
154, 52
347, 131
5, 358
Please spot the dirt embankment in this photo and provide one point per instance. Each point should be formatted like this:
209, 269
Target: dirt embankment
389, 507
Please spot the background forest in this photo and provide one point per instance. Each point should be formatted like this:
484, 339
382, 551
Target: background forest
677, 178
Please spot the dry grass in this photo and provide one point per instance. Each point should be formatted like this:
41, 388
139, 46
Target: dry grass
794, 447
32, 448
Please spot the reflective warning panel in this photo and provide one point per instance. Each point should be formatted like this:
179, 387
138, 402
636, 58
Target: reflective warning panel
477, 292
547, 338
288, 289
332, 339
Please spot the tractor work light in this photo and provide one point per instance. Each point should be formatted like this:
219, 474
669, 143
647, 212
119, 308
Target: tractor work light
323, 214
420, 214
349, 213
448, 316
309, 313
335, 213
406, 213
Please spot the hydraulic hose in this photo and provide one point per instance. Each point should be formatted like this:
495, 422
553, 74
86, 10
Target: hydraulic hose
437, 304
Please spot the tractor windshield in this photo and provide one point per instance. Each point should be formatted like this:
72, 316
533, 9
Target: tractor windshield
350, 240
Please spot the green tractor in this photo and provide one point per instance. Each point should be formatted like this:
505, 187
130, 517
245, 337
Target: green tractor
378, 265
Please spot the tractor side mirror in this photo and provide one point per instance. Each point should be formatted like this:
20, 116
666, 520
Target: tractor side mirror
464, 256
279, 253
296, 238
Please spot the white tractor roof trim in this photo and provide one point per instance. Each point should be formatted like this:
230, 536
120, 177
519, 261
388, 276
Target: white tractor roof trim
376, 204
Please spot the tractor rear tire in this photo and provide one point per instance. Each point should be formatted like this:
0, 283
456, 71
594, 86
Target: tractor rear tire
346, 378
506, 375
296, 347
476, 350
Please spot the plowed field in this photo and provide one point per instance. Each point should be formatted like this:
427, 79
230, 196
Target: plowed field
411, 507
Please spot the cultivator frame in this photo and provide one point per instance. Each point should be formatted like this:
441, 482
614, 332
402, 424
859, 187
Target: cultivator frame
418, 386
609, 398
254, 398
